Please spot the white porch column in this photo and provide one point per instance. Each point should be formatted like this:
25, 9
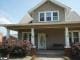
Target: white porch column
67, 43
33, 38
8, 34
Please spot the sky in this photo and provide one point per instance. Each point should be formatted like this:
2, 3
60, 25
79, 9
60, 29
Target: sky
16, 9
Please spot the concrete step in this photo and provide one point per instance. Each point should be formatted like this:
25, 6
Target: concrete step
46, 58
50, 53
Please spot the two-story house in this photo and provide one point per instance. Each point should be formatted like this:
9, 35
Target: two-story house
50, 25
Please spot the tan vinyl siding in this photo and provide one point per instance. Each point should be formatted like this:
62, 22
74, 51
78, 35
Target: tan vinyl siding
48, 6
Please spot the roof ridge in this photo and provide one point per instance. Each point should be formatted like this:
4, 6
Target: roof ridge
53, 1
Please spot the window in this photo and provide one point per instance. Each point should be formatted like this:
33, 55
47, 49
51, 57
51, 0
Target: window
49, 16
26, 36
41, 16
55, 16
74, 37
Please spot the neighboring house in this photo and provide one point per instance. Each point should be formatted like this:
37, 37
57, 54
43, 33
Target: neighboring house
49, 25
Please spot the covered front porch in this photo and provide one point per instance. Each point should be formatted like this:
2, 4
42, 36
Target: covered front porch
48, 36
45, 38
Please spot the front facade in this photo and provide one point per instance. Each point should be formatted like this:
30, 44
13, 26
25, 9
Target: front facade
53, 26
46, 38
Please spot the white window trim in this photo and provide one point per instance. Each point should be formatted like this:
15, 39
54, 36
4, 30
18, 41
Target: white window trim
45, 16
26, 33
72, 34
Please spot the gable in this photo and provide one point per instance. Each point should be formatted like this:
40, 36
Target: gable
48, 6
53, 1
26, 19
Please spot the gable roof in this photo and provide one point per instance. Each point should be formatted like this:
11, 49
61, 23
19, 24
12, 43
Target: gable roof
73, 16
53, 1
26, 19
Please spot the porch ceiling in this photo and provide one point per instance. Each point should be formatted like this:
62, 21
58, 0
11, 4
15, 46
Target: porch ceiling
41, 25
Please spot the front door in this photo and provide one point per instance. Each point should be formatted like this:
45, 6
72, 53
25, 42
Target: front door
41, 41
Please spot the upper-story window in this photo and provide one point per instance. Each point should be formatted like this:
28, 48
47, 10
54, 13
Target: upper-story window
41, 16
55, 15
49, 16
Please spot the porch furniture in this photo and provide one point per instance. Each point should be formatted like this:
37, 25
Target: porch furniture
58, 46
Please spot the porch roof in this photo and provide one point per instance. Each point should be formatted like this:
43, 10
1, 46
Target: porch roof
42, 25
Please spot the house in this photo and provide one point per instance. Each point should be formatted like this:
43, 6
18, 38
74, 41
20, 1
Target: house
50, 25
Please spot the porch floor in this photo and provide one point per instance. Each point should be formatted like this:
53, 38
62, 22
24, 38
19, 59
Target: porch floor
50, 53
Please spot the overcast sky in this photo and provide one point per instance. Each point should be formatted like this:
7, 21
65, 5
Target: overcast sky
16, 9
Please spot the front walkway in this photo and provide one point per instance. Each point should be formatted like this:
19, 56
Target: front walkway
46, 55
38, 58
